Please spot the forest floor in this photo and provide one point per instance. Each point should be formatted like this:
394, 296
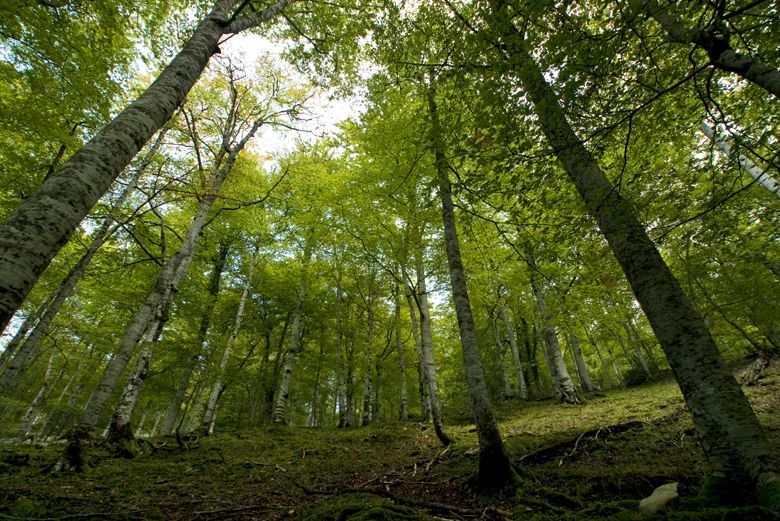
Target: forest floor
593, 461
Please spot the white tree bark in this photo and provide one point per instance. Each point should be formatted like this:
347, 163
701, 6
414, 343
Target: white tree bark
762, 177
160, 297
515, 350
207, 423
422, 382
30, 417
561, 378
582, 368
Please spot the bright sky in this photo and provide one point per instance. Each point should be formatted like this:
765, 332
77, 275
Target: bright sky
324, 111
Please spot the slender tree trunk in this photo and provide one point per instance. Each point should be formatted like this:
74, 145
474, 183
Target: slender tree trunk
604, 366
722, 55
425, 400
207, 423
368, 382
498, 342
120, 428
494, 466
561, 379
637, 351
33, 412
344, 420
172, 412
426, 350
21, 333
735, 445
37, 230
510, 335
582, 368
292, 350
314, 417
762, 177
403, 410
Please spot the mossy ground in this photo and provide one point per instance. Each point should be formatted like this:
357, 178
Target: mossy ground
634, 440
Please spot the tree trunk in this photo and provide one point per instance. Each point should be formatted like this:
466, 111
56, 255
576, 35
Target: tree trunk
207, 423
173, 409
510, 335
292, 352
494, 466
728, 429
314, 417
367, 415
31, 416
161, 296
582, 368
427, 360
344, 420
720, 52
37, 230
498, 342
425, 400
564, 387
762, 177
11, 376
403, 410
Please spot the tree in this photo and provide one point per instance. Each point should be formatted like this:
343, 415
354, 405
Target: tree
43, 224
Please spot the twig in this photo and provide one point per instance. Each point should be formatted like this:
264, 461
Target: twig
428, 466
569, 455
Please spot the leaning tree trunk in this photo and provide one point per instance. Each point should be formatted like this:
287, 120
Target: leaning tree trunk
510, 335
120, 428
426, 351
30, 417
722, 56
729, 432
37, 230
173, 409
160, 297
494, 466
560, 374
207, 423
10, 377
761, 177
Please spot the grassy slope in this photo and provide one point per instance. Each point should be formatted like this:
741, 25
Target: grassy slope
280, 473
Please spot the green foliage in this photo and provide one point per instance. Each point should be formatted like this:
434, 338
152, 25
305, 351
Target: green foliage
356, 507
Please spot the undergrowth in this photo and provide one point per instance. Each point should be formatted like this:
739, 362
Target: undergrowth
593, 461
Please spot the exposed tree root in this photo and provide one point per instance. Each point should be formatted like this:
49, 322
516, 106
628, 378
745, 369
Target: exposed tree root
553, 450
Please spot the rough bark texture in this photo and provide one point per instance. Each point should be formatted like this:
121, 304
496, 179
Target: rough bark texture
14, 371
37, 230
494, 466
728, 429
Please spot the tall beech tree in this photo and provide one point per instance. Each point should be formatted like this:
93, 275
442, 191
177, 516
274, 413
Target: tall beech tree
735, 445
37, 230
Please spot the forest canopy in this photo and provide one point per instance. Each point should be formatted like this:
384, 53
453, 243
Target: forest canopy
219, 216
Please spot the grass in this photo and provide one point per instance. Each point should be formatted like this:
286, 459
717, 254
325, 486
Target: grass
594, 461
